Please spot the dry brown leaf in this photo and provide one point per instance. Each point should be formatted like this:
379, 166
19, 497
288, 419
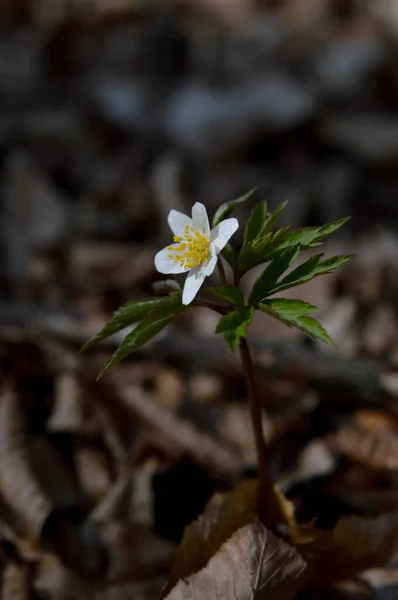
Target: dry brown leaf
203, 447
375, 448
137, 590
18, 484
221, 518
130, 497
315, 460
53, 476
254, 564
15, 584
206, 387
169, 387
236, 429
354, 545
57, 582
142, 504
134, 552
115, 503
93, 472
68, 413
375, 419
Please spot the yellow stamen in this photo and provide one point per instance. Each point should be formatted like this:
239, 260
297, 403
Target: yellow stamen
192, 250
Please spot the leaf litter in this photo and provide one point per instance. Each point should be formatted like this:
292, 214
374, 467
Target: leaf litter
98, 482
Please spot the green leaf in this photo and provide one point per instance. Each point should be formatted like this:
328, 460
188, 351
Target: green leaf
288, 308
144, 332
329, 228
294, 314
230, 293
273, 217
310, 237
256, 223
126, 315
225, 210
268, 246
160, 316
234, 325
333, 263
261, 249
271, 274
300, 274
314, 329
311, 268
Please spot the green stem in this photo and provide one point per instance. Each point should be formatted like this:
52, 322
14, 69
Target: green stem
221, 272
255, 407
268, 509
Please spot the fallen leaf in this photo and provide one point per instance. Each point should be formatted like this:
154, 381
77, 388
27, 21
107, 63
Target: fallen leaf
254, 564
138, 590
57, 582
115, 503
315, 460
93, 472
18, 484
134, 552
375, 448
15, 582
354, 545
68, 413
235, 428
222, 516
204, 448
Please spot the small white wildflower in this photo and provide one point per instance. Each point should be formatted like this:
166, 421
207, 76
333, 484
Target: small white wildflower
195, 248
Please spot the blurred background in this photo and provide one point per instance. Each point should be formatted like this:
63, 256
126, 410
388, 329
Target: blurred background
112, 112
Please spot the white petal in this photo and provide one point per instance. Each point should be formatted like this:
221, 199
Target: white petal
166, 265
221, 234
209, 267
193, 282
178, 221
200, 219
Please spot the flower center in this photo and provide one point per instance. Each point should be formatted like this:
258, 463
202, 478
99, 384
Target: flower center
193, 249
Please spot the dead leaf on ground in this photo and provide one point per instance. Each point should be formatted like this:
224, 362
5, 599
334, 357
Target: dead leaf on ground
68, 412
221, 518
236, 429
354, 545
138, 590
57, 582
115, 503
254, 564
372, 441
93, 472
18, 484
134, 552
203, 447
315, 460
15, 584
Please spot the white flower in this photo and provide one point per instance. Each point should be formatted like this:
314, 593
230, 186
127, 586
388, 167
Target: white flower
195, 248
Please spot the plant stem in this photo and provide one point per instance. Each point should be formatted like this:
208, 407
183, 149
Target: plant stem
221, 272
221, 310
255, 408
268, 509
